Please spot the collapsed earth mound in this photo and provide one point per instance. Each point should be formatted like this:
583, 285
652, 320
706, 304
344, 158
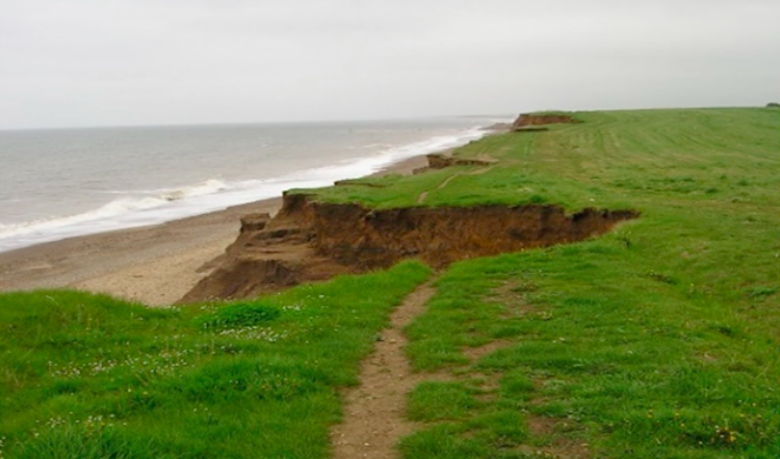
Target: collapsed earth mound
310, 241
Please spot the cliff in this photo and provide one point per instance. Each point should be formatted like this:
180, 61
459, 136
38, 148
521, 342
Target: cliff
312, 241
529, 122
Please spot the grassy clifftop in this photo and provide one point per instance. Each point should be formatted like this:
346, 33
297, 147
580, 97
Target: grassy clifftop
659, 339
613, 159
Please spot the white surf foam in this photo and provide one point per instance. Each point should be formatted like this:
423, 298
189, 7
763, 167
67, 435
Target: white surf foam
148, 207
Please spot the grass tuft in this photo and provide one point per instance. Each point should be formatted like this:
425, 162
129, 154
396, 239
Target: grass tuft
239, 315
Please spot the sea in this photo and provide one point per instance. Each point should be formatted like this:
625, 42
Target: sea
60, 183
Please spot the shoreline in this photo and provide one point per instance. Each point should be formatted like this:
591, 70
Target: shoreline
155, 265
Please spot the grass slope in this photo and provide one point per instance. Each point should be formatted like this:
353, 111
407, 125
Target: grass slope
659, 339
86, 376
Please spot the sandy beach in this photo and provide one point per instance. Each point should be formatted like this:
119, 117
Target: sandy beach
155, 265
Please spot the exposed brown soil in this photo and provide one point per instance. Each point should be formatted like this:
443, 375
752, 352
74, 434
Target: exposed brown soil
355, 236
553, 432
358, 182
530, 129
476, 353
374, 411
523, 121
445, 160
311, 241
440, 161
511, 296
567, 450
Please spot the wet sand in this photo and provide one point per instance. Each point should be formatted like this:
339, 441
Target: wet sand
155, 265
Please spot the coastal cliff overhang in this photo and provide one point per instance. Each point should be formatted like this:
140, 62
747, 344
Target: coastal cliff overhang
312, 241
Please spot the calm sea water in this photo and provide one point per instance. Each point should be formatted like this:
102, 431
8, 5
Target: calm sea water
61, 183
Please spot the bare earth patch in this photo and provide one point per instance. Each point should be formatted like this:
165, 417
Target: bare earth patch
374, 411
511, 296
476, 353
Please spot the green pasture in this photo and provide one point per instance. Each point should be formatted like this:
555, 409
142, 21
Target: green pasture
86, 376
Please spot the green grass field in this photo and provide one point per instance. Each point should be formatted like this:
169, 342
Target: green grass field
84, 376
658, 339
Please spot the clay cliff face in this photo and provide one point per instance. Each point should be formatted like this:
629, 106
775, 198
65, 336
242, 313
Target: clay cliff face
525, 120
310, 241
367, 239
440, 161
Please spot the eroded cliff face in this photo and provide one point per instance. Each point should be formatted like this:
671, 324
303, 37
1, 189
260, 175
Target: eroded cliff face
440, 161
311, 241
356, 236
525, 122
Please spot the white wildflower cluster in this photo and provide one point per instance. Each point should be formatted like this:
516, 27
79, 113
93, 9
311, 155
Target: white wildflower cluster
96, 422
292, 307
100, 366
174, 354
2, 444
259, 333
168, 339
73, 370
209, 308
67, 371
91, 424
166, 362
55, 422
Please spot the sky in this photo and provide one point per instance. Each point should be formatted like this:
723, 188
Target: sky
82, 63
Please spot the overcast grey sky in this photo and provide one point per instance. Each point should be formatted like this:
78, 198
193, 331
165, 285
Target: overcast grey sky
126, 62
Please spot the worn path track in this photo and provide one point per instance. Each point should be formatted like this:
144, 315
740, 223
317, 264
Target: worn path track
424, 195
374, 411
